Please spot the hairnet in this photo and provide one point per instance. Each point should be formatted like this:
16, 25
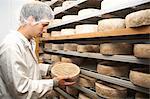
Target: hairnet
38, 10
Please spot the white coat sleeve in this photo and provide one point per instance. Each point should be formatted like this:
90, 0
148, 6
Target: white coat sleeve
44, 68
20, 74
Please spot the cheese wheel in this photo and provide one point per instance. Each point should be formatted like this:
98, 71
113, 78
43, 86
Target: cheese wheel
86, 81
40, 50
88, 48
70, 47
86, 28
55, 21
82, 96
111, 91
57, 46
69, 17
138, 18
68, 3
55, 58
72, 91
55, 33
74, 60
115, 48
68, 31
57, 9
48, 45
41, 58
114, 69
46, 35
141, 96
142, 50
140, 77
66, 69
47, 56
111, 24
88, 11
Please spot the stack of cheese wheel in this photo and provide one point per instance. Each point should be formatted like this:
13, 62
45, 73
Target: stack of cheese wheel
140, 77
68, 3
57, 46
55, 33
141, 96
142, 50
111, 24
74, 60
57, 9
116, 48
72, 91
88, 11
83, 96
70, 47
138, 18
68, 31
55, 58
47, 56
113, 68
66, 69
46, 35
86, 81
48, 45
88, 48
55, 21
110, 91
86, 28
69, 17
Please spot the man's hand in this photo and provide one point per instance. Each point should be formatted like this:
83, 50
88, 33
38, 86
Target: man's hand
62, 81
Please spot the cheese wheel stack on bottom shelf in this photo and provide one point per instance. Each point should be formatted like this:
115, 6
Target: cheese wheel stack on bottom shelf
116, 48
138, 18
111, 24
83, 96
86, 81
110, 90
140, 77
113, 69
55, 33
86, 28
48, 45
141, 96
67, 31
57, 47
55, 58
142, 50
74, 60
88, 48
70, 47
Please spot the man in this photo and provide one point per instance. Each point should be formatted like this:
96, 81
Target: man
20, 73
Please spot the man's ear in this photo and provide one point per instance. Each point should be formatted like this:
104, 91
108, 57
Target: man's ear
30, 20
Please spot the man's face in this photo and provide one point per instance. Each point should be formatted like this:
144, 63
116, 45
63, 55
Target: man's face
39, 28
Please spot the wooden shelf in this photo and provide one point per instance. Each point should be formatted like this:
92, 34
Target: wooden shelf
118, 32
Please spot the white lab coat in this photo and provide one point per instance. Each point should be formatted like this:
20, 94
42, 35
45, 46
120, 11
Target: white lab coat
20, 73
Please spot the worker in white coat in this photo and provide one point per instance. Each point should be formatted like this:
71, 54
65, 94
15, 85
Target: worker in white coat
20, 73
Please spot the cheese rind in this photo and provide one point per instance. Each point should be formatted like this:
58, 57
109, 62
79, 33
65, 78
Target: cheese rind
70, 47
88, 48
57, 46
138, 18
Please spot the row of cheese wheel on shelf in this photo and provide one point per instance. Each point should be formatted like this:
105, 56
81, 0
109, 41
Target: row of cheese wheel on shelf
139, 76
138, 50
102, 88
135, 19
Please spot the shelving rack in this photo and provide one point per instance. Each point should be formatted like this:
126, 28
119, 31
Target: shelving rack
130, 35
